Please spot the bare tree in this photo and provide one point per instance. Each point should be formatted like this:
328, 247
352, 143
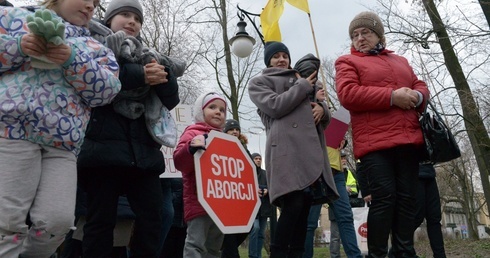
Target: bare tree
419, 30
485, 6
475, 127
168, 28
229, 73
328, 66
458, 184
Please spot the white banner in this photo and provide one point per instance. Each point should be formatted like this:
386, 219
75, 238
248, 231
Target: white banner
183, 118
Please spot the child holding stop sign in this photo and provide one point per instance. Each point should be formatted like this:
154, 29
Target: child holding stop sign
204, 238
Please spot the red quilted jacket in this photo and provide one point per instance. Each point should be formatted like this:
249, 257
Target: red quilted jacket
364, 87
184, 162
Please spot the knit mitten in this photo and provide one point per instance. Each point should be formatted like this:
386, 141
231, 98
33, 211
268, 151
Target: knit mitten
131, 51
52, 29
115, 41
176, 65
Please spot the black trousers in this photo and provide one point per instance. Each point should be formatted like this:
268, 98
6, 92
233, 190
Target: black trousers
392, 180
103, 187
429, 208
231, 242
174, 243
290, 234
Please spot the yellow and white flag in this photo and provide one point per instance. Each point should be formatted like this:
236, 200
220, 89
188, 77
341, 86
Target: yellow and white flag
269, 20
300, 4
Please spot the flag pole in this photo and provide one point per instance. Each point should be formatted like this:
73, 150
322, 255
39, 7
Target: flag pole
324, 80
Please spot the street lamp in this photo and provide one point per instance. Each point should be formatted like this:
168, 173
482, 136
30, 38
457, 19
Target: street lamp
242, 43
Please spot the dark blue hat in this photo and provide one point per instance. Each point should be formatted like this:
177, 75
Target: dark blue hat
231, 124
273, 47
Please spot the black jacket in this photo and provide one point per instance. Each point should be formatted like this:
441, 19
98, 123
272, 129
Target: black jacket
265, 206
114, 140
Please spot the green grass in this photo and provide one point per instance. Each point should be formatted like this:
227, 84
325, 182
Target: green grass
319, 252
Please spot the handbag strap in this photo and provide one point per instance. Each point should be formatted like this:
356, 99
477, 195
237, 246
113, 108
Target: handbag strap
433, 108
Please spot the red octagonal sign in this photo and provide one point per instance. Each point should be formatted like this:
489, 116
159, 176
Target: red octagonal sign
227, 183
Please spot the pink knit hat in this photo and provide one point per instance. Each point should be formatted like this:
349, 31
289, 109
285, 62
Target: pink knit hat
202, 101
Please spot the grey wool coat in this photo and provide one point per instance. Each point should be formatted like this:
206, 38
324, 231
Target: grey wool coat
295, 153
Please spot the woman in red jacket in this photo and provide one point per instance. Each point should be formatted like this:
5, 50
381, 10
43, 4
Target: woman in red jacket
383, 95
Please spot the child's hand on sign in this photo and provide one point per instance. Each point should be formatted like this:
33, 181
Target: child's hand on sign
198, 143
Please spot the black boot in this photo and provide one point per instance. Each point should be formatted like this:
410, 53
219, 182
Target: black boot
295, 253
278, 253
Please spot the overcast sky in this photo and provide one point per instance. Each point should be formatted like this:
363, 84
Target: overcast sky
330, 22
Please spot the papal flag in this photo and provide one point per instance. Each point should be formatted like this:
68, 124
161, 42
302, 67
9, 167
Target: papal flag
300, 4
269, 20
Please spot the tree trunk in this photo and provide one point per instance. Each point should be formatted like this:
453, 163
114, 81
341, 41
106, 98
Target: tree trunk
485, 6
468, 207
232, 96
479, 138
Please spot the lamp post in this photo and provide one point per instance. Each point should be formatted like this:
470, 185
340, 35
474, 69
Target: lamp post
247, 50
242, 43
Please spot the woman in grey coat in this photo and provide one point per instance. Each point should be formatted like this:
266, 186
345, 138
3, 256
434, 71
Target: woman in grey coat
295, 150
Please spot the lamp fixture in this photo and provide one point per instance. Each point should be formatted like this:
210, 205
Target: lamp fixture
242, 43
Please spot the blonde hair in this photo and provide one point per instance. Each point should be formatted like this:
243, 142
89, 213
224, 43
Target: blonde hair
50, 4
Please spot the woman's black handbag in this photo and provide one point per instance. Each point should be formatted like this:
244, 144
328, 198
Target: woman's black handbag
356, 202
440, 145
319, 191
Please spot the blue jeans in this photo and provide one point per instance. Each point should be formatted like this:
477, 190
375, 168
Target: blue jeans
310, 229
345, 221
256, 238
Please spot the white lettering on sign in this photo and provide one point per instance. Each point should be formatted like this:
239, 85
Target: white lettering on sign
227, 166
229, 190
170, 166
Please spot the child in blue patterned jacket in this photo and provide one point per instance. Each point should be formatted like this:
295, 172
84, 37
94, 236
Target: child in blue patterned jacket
44, 111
